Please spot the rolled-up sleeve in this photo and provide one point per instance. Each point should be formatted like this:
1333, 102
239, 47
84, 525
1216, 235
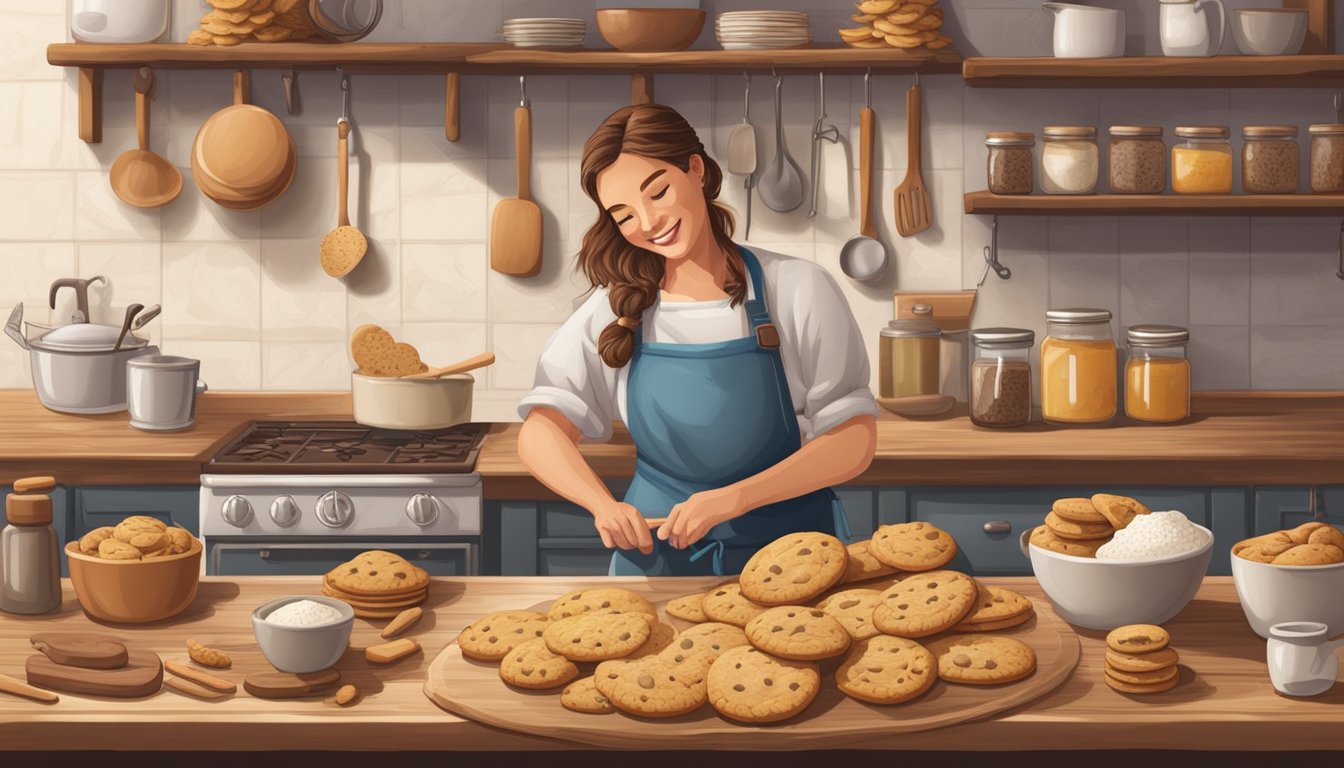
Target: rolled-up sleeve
572, 379
832, 361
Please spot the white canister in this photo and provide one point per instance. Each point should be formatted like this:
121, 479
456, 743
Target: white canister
161, 392
1084, 32
118, 21
1184, 27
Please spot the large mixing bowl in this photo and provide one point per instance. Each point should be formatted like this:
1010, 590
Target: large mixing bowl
1272, 594
135, 591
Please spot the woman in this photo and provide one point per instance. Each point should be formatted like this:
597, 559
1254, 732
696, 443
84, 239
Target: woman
717, 358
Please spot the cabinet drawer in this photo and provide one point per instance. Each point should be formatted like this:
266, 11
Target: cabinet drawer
1277, 509
574, 557
175, 505
304, 559
985, 553
562, 519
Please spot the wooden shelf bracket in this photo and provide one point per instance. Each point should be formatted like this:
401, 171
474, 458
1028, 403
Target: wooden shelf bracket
992, 256
91, 104
641, 88
452, 116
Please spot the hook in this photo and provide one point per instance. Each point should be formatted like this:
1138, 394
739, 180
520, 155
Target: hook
992, 256
1339, 271
522, 92
345, 93
868, 87
291, 82
746, 98
773, 73
916, 77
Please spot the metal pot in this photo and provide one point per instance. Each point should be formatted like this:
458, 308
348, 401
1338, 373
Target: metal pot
392, 403
76, 370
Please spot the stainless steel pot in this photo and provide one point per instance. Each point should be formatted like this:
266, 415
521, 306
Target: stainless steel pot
75, 369
392, 403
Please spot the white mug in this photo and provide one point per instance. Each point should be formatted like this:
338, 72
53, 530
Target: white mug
1084, 32
1184, 27
1301, 660
161, 392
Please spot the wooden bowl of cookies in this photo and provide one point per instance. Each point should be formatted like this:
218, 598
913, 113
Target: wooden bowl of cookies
153, 583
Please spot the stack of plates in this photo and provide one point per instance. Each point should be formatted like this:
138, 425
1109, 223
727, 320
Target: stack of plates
545, 33
744, 30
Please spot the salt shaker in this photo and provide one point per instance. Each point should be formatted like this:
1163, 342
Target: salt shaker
30, 566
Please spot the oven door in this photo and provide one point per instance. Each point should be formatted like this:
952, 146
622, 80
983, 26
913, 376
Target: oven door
258, 557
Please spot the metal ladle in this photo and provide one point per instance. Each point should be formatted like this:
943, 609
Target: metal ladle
781, 186
863, 257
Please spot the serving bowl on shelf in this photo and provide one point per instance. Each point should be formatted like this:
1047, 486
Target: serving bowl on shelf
650, 29
1105, 594
1269, 31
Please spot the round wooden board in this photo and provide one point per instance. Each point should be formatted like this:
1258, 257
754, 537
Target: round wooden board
473, 690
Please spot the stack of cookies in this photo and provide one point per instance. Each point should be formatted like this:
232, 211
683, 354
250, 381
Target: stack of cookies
1079, 526
263, 21
904, 24
1313, 543
1140, 661
377, 584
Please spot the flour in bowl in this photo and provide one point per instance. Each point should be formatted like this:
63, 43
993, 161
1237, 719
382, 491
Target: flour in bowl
303, 613
1153, 536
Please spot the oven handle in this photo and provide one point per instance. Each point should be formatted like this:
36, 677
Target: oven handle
462, 480
423, 551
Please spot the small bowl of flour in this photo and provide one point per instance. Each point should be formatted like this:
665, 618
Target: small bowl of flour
303, 633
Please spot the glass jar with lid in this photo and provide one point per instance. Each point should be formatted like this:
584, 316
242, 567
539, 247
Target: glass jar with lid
1070, 161
1157, 374
1000, 376
1010, 162
1202, 164
1138, 160
908, 355
1327, 157
1078, 376
1269, 159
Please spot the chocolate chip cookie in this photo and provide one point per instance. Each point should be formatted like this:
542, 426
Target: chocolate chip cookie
1137, 638
656, 686
853, 608
583, 696
1045, 539
601, 598
914, 546
750, 686
727, 604
793, 569
887, 670
924, 604
983, 659
687, 608
799, 633
491, 637
597, 635
533, 665
862, 565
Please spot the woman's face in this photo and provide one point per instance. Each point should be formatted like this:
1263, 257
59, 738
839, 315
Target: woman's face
656, 205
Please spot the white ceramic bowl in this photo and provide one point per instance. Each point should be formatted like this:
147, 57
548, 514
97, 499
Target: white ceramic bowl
1269, 31
303, 649
1105, 594
1273, 594
392, 403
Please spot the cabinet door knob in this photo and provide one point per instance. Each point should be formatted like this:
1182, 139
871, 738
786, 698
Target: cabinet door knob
264, 554
998, 526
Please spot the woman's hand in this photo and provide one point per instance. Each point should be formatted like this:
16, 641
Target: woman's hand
621, 525
693, 518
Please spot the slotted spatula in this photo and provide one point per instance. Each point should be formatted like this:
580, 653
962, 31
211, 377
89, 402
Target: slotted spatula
913, 214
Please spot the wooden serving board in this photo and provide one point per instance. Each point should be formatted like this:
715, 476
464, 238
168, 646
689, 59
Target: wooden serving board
473, 689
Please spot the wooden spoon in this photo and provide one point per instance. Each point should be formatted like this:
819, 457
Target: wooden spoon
343, 247
462, 366
515, 229
140, 177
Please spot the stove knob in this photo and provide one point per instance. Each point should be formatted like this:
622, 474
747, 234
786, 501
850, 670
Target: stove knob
335, 509
237, 511
285, 511
423, 509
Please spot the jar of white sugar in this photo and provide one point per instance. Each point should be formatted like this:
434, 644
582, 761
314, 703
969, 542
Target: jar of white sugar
1069, 160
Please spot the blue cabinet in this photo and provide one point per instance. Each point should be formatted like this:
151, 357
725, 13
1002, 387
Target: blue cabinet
96, 506
1279, 508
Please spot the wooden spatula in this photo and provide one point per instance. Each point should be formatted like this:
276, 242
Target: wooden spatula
462, 366
913, 214
515, 230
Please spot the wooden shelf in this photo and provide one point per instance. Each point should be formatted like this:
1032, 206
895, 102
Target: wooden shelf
983, 202
1157, 72
838, 60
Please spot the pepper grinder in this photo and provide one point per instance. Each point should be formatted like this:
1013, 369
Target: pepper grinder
30, 569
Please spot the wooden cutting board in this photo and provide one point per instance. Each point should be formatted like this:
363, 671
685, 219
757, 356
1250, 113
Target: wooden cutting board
472, 689
78, 649
142, 676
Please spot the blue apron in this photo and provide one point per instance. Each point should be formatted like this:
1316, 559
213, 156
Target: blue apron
704, 416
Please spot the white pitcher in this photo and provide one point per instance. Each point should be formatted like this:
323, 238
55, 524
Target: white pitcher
1301, 660
1184, 27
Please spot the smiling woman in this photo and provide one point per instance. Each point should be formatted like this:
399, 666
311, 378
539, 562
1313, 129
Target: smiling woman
741, 375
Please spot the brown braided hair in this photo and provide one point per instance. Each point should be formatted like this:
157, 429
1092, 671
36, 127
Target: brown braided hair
633, 275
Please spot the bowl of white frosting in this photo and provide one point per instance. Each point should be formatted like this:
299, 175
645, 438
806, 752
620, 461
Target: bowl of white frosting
303, 633
1146, 574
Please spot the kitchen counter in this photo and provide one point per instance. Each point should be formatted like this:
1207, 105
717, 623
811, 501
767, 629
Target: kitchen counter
1235, 438
1224, 702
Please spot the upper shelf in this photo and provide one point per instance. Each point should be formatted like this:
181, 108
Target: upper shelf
1158, 72
489, 58
983, 202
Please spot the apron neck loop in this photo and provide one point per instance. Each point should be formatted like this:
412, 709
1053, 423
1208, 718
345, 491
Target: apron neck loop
716, 547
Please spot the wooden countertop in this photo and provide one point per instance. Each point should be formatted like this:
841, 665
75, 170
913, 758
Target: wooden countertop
1224, 702
1235, 438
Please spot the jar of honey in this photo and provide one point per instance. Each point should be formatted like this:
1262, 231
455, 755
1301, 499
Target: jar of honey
1202, 164
908, 357
1157, 376
1078, 372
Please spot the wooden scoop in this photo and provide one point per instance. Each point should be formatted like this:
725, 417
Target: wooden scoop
140, 177
462, 366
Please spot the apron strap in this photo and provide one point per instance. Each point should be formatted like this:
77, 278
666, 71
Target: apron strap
715, 546
842, 529
757, 313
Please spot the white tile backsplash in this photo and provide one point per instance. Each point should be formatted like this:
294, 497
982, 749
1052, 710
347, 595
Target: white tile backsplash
244, 291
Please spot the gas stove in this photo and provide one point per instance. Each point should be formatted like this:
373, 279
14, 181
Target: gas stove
292, 497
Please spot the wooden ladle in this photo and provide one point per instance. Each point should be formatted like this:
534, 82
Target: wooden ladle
470, 364
140, 177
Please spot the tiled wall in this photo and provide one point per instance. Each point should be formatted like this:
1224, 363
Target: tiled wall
245, 293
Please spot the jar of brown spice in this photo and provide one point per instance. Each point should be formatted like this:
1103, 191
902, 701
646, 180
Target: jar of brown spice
1138, 160
1327, 157
1010, 163
1000, 386
1269, 159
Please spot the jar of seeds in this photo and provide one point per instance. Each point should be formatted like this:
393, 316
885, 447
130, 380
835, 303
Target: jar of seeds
1010, 162
1138, 160
1327, 157
1269, 159
1000, 386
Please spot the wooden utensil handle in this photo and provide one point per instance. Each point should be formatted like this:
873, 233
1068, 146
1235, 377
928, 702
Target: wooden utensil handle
655, 522
867, 225
241, 85
913, 100
20, 688
470, 364
144, 85
522, 140
343, 171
